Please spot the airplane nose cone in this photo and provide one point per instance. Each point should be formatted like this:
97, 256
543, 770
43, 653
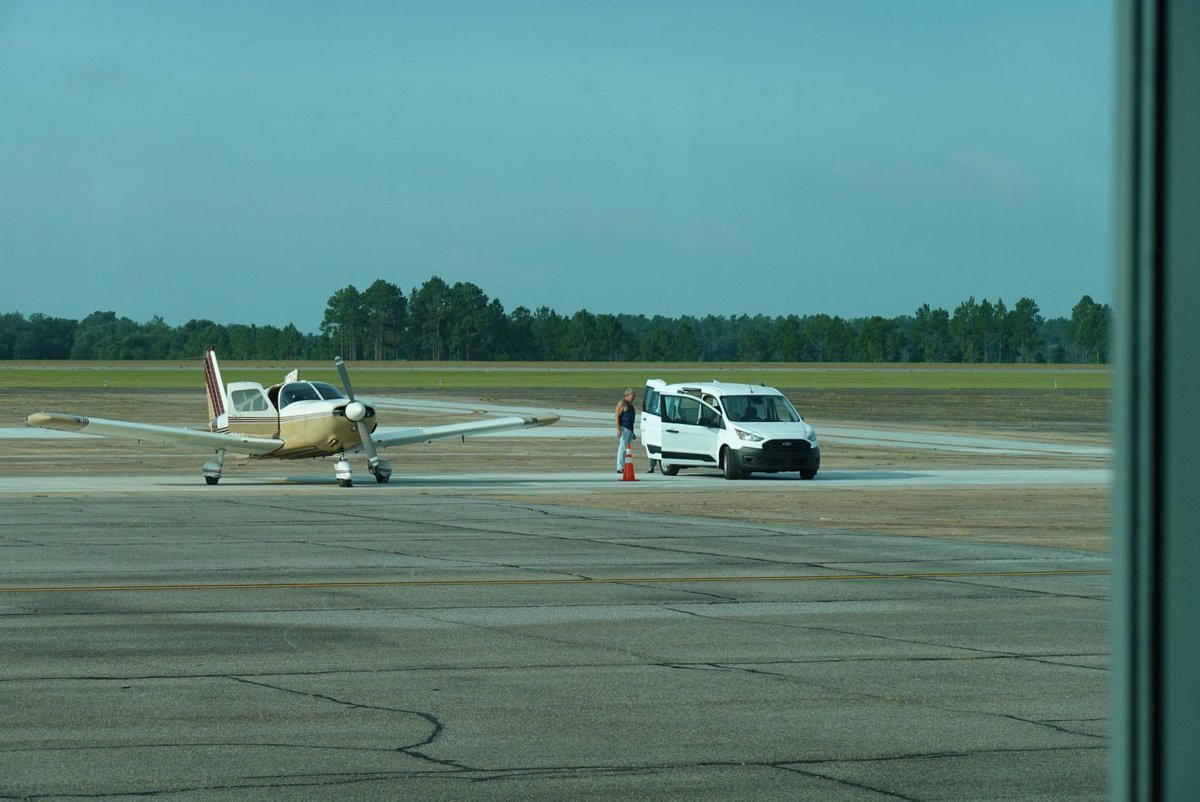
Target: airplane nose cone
356, 411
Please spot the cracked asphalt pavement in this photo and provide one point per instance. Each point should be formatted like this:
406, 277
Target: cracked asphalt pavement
319, 644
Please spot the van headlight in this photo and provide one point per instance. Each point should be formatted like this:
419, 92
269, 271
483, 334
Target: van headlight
812, 438
749, 436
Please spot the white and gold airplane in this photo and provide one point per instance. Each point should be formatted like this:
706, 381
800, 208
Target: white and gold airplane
294, 419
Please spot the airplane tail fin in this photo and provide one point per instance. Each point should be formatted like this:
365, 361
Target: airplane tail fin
217, 403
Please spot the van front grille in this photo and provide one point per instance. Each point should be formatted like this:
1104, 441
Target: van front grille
786, 454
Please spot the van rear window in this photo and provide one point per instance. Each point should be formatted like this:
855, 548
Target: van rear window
652, 402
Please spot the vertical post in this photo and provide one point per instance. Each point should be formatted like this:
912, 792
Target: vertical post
1156, 520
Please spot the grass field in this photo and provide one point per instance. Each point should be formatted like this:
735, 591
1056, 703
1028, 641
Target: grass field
431, 376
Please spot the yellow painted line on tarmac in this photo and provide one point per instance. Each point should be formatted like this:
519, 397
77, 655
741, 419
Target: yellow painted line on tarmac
480, 583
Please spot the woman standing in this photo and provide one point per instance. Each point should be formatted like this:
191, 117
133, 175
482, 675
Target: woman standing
625, 414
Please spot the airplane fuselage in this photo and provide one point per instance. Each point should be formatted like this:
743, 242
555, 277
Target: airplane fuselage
307, 428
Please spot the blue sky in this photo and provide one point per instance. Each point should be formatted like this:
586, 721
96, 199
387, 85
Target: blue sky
240, 162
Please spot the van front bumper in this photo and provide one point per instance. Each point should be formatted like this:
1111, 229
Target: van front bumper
789, 455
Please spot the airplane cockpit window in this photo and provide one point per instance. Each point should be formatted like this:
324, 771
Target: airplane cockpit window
297, 391
248, 401
328, 391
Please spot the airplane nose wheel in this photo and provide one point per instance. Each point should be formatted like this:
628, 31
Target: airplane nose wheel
343, 473
357, 411
382, 471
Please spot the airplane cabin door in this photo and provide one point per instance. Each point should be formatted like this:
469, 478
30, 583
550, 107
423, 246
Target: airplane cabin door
250, 411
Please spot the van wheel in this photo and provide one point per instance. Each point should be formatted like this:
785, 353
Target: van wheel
669, 470
727, 465
808, 474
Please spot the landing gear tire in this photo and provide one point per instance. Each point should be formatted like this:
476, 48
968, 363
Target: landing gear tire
212, 468
669, 470
345, 482
382, 471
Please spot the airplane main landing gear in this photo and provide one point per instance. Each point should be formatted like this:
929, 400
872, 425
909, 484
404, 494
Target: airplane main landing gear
212, 468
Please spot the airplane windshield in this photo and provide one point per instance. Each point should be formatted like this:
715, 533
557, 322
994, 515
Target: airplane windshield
327, 391
759, 408
297, 391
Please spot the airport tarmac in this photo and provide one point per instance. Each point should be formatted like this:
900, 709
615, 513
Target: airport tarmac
504, 620
280, 638
583, 481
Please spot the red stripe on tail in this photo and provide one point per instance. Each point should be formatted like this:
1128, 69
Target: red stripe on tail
216, 399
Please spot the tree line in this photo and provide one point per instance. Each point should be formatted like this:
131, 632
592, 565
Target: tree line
458, 322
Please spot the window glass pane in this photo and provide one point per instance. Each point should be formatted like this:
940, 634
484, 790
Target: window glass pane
651, 402
248, 399
681, 409
297, 391
767, 408
327, 391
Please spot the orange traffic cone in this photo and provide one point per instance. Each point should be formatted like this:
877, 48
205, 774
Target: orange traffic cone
628, 475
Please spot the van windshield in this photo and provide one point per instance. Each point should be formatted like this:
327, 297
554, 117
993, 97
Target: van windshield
760, 408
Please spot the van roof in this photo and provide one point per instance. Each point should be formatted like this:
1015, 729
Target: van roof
716, 388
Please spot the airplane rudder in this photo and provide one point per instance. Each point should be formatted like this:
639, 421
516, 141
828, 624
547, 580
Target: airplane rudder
216, 387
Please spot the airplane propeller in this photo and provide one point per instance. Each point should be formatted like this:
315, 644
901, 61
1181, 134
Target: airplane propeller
357, 411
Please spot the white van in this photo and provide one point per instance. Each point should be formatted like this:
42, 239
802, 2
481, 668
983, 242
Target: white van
739, 428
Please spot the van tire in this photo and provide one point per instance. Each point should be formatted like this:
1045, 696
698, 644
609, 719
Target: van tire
811, 474
669, 470
727, 466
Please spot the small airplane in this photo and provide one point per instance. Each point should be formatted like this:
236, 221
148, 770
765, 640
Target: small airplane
294, 419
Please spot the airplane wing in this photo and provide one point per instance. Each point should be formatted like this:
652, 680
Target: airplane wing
422, 434
571, 417
153, 433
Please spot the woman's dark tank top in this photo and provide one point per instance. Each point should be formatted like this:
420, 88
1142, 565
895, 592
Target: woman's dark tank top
628, 412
